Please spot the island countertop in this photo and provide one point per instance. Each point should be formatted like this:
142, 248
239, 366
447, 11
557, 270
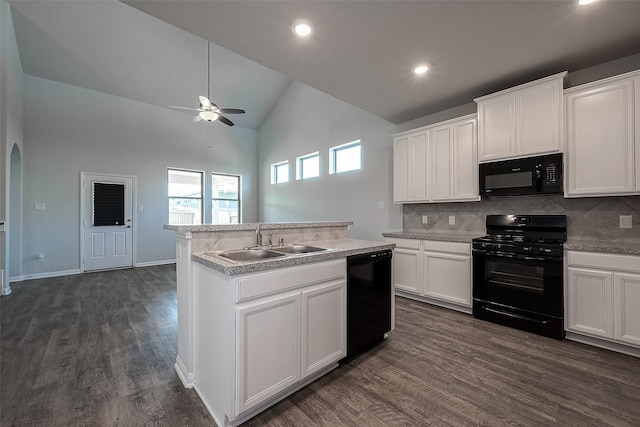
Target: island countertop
336, 249
250, 226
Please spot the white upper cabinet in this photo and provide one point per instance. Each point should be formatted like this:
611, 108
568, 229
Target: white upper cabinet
521, 121
602, 156
410, 158
437, 163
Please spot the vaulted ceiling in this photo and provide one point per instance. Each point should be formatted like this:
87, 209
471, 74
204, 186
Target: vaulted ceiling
361, 52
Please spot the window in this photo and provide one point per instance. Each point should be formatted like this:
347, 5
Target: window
344, 157
185, 197
308, 166
225, 199
280, 172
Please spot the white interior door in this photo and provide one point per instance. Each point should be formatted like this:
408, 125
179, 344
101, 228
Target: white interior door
107, 221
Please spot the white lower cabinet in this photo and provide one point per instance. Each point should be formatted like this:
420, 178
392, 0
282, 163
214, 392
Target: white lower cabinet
590, 297
626, 291
448, 277
603, 291
406, 265
268, 342
432, 271
262, 336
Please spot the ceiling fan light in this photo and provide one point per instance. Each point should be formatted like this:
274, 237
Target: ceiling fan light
209, 116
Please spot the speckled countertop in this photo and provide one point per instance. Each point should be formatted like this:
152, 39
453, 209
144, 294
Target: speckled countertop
446, 237
604, 246
337, 249
253, 225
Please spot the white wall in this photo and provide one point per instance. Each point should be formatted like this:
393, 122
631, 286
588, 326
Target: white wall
11, 133
306, 120
69, 129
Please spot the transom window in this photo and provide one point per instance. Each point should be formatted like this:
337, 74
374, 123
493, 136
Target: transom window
185, 196
345, 157
308, 166
225, 199
280, 172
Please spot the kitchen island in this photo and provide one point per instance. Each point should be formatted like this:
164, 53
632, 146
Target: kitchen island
252, 332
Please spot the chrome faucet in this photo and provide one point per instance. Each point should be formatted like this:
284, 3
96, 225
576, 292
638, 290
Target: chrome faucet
258, 236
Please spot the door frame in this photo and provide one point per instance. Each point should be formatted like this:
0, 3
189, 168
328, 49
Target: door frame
134, 211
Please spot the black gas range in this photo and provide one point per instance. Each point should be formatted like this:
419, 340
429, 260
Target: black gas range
517, 272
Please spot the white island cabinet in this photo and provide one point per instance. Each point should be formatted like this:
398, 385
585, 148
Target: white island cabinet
250, 333
261, 336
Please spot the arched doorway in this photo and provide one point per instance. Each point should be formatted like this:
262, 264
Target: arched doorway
14, 223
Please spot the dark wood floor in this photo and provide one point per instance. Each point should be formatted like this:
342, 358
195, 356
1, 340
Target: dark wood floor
98, 350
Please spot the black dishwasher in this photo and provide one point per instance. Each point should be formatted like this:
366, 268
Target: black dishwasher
368, 301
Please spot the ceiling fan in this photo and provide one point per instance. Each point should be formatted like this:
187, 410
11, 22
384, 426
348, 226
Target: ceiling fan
208, 110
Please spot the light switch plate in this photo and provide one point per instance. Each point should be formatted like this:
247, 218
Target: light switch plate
425, 219
452, 220
381, 205
626, 221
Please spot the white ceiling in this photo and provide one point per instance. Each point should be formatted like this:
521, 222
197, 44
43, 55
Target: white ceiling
361, 52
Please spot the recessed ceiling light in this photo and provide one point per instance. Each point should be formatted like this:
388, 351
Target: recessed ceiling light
421, 69
583, 2
302, 27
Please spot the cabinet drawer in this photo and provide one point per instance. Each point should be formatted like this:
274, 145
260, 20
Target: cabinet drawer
271, 282
404, 243
607, 261
451, 247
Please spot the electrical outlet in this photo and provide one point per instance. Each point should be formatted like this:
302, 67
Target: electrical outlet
39, 206
381, 205
626, 221
452, 220
425, 219
40, 257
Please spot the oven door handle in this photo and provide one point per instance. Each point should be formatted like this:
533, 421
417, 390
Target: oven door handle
514, 315
516, 256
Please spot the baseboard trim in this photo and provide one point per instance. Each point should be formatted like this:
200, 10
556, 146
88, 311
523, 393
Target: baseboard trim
607, 345
433, 301
185, 376
78, 271
44, 275
154, 263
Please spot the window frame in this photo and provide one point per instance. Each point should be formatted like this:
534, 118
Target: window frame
333, 154
274, 172
238, 200
300, 165
201, 198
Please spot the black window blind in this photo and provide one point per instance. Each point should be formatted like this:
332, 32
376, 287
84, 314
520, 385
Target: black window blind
108, 204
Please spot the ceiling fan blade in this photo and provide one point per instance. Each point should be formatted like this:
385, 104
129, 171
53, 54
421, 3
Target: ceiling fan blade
182, 108
224, 120
204, 101
232, 111
197, 118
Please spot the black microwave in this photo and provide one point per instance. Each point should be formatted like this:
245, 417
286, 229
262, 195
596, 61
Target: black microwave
529, 175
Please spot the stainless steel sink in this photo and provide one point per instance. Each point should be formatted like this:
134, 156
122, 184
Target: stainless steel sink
298, 249
250, 254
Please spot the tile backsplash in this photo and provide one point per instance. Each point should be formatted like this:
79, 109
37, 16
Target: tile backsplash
588, 218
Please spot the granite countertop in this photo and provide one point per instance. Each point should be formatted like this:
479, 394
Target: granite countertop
604, 246
446, 237
337, 249
253, 225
